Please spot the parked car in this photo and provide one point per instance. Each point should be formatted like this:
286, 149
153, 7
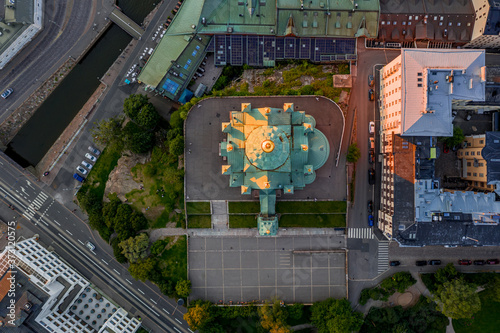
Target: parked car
91, 157
81, 170
370, 207
90, 246
492, 261
370, 220
464, 262
370, 80
371, 95
371, 157
87, 165
394, 263
79, 178
372, 127
371, 176
449, 246
95, 151
421, 263
434, 262
7, 93
479, 262
372, 143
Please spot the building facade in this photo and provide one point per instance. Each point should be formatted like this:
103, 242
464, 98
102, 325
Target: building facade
473, 165
486, 32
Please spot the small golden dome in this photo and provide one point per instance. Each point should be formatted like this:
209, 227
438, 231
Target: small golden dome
267, 146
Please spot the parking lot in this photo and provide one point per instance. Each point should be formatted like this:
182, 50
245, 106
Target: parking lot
243, 269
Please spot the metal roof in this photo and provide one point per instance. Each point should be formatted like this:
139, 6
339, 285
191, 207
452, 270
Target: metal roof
491, 153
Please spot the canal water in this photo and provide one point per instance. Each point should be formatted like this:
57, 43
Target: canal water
37, 136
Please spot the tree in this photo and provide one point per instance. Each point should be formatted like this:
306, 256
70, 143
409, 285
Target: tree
457, 299
117, 251
353, 153
133, 104
108, 131
183, 288
109, 210
198, 316
137, 139
138, 221
121, 222
273, 319
335, 316
457, 138
399, 281
493, 289
135, 248
447, 273
295, 311
176, 146
141, 270
147, 117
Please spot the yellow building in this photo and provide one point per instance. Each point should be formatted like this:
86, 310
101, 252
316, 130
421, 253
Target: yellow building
473, 164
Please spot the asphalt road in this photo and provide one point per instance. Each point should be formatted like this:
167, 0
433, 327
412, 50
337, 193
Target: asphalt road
67, 233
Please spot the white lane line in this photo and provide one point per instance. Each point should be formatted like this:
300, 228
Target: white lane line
165, 310
110, 276
69, 232
116, 271
180, 322
104, 261
175, 328
190, 330
80, 241
93, 252
128, 281
59, 224
153, 301
142, 292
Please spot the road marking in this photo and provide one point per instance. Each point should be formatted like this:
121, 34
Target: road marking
165, 310
153, 301
190, 330
104, 261
69, 232
93, 252
80, 242
383, 256
59, 224
363, 233
175, 328
116, 271
128, 281
142, 292
180, 322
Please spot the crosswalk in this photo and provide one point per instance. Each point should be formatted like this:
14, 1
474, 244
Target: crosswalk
383, 256
35, 205
364, 233
285, 259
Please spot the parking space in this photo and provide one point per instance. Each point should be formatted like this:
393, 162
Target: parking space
243, 269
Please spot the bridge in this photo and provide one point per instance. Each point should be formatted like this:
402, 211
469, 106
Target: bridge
124, 22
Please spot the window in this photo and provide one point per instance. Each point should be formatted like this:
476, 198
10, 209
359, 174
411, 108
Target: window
459, 24
409, 23
481, 141
383, 22
440, 23
404, 22
481, 175
419, 85
469, 164
472, 153
395, 22
435, 18
409, 18
416, 17
481, 164
475, 174
468, 174
466, 153
475, 183
419, 79
478, 153
419, 73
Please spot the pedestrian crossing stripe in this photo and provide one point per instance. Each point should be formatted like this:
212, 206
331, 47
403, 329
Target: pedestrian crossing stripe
36, 204
383, 256
363, 233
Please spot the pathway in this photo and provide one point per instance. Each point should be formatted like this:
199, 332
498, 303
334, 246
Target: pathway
220, 217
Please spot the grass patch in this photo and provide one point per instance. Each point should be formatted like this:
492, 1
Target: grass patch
242, 221
199, 221
174, 259
198, 208
244, 207
486, 320
312, 220
161, 221
284, 207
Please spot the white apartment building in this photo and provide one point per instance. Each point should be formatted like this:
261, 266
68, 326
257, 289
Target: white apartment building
72, 302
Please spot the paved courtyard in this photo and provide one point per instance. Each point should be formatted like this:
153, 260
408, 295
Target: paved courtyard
204, 179
242, 269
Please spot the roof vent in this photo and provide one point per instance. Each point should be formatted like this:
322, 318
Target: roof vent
229, 29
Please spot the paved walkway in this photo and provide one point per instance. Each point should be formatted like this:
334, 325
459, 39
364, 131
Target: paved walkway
220, 217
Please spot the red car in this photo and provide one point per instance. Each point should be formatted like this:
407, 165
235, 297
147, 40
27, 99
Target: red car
465, 262
492, 261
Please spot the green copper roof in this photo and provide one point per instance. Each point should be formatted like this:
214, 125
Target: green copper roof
271, 149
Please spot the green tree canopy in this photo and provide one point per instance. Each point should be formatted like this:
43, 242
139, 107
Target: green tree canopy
121, 222
457, 138
147, 117
273, 319
109, 210
399, 281
183, 288
335, 316
457, 299
176, 146
353, 153
135, 248
108, 131
138, 140
117, 251
141, 270
198, 316
447, 273
133, 104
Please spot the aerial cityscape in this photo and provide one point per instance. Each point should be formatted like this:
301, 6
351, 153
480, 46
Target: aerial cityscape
250, 166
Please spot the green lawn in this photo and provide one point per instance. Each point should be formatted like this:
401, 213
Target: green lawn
485, 321
199, 221
242, 221
285, 207
312, 220
246, 207
174, 259
198, 207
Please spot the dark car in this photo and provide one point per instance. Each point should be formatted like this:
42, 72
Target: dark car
79, 178
371, 157
492, 261
464, 262
394, 263
434, 262
370, 207
479, 262
421, 263
371, 95
370, 220
371, 176
371, 82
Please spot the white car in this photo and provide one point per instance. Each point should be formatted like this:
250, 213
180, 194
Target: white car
81, 170
90, 246
91, 157
87, 165
372, 127
95, 151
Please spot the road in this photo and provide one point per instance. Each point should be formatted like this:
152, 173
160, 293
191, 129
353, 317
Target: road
66, 32
59, 227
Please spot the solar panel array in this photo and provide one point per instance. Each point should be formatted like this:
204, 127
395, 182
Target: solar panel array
258, 50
